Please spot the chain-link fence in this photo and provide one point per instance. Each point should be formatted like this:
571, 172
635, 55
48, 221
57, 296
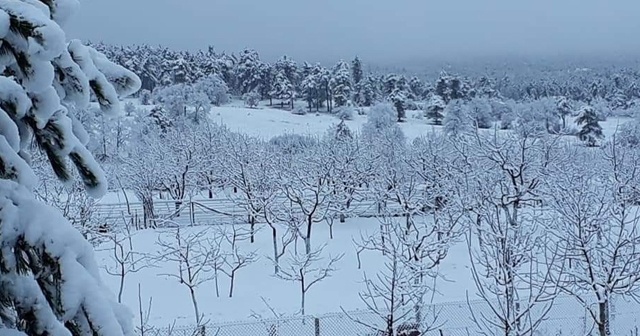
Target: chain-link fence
566, 317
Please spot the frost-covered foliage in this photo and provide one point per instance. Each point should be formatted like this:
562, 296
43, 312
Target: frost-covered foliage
434, 109
346, 113
341, 84
214, 88
591, 130
251, 99
480, 111
49, 280
381, 125
292, 143
184, 102
457, 120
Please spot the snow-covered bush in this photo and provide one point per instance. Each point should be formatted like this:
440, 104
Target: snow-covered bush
215, 88
292, 143
299, 110
251, 99
346, 113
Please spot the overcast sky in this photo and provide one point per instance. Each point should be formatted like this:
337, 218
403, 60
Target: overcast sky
383, 31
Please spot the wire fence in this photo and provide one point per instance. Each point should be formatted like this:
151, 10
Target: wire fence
566, 317
204, 212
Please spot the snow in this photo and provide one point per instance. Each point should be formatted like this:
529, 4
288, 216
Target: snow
337, 292
265, 122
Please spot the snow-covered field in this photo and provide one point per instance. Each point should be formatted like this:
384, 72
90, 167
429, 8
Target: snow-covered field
257, 292
256, 282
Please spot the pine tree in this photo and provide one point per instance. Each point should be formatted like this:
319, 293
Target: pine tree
49, 281
282, 89
247, 71
356, 71
289, 68
417, 87
456, 119
591, 130
434, 109
563, 109
341, 84
399, 99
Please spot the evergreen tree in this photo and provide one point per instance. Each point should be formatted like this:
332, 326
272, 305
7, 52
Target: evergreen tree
456, 119
248, 71
310, 90
282, 89
434, 109
399, 100
563, 109
356, 71
49, 281
265, 85
417, 87
289, 68
341, 84
591, 130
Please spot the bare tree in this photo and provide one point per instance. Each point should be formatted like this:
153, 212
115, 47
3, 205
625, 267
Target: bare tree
125, 259
141, 172
234, 256
305, 180
397, 293
279, 216
193, 254
249, 169
178, 151
307, 270
510, 268
143, 327
594, 205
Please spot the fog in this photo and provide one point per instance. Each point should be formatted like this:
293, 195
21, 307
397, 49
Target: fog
391, 31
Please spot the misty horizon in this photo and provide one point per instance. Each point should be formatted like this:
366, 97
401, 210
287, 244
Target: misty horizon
382, 32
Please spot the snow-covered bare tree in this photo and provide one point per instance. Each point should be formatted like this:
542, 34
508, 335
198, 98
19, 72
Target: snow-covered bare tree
307, 269
508, 244
234, 256
397, 293
192, 253
250, 172
49, 280
305, 180
594, 203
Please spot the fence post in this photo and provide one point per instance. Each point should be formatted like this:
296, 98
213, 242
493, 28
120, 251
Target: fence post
316, 323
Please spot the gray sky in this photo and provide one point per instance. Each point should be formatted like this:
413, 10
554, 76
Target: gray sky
389, 31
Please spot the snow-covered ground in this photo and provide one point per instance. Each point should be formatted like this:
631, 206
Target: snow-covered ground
256, 282
257, 292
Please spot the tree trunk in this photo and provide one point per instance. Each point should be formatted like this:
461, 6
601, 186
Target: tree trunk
148, 215
603, 323
303, 294
178, 205
194, 300
307, 239
233, 277
276, 258
252, 222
